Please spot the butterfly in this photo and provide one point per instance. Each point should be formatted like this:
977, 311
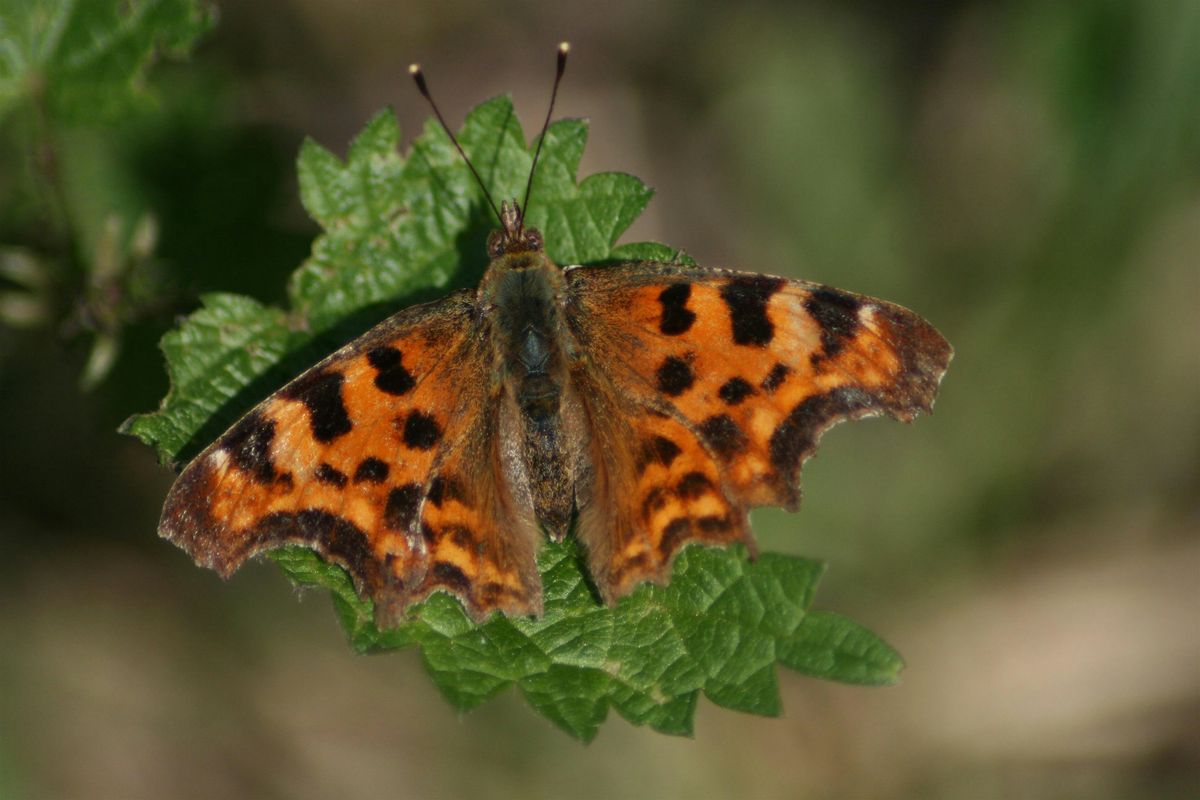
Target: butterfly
643, 405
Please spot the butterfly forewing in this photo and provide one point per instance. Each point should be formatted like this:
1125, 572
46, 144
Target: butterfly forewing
734, 375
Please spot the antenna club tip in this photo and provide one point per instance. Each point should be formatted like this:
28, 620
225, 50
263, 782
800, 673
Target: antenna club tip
564, 47
414, 68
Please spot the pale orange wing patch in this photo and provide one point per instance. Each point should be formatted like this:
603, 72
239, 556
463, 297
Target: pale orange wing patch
755, 367
343, 458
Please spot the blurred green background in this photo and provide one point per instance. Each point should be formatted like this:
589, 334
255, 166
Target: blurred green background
1024, 174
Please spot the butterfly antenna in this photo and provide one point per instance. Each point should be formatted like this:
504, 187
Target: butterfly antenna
423, 88
563, 49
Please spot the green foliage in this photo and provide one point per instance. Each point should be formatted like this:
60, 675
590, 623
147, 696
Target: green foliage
719, 628
395, 227
84, 60
84, 260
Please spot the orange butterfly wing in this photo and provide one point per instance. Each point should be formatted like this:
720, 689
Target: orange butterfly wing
384, 459
706, 390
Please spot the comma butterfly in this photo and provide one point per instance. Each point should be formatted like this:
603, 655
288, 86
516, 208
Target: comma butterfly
655, 402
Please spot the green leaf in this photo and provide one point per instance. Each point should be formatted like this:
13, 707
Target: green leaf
828, 645
395, 226
84, 60
211, 359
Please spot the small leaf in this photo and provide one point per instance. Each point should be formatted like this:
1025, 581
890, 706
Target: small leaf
395, 225
827, 645
574, 699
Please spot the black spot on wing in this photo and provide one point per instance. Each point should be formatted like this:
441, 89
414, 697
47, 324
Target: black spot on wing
461, 535
747, 299
249, 446
677, 530
723, 435
331, 476
655, 499
421, 431
734, 391
321, 393
676, 317
714, 523
674, 376
775, 377
371, 470
837, 315
448, 574
694, 485
446, 487
657, 450
401, 507
391, 376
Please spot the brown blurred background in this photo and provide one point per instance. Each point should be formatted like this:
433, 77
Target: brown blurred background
1025, 174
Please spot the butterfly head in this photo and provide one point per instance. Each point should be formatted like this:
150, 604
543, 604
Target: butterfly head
513, 236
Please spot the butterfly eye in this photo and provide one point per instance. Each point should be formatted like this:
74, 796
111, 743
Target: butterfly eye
495, 244
533, 238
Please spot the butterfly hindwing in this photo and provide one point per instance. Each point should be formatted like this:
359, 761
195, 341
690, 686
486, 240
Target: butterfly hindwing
648, 485
361, 458
481, 534
741, 374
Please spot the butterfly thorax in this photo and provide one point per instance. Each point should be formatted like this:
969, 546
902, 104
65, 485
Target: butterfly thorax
521, 295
